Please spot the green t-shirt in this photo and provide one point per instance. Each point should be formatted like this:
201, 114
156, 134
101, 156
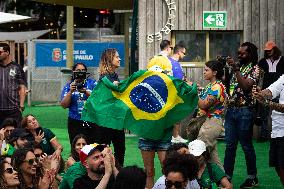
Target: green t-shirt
75, 171
45, 142
216, 172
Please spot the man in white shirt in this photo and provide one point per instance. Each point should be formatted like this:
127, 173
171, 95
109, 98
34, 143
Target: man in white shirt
276, 152
272, 65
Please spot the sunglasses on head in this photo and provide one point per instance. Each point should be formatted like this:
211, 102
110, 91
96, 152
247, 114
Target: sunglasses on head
31, 161
9, 170
176, 184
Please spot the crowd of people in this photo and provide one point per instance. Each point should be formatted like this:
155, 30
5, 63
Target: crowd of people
31, 155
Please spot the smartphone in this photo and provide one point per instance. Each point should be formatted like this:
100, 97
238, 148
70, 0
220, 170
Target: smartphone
39, 129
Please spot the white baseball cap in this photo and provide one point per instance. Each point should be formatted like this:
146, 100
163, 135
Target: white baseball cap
196, 147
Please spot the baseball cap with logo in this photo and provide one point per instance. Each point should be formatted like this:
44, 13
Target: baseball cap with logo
196, 147
88, 150
269, 45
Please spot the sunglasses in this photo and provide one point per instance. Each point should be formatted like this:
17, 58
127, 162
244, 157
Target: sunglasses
38, 155
176, 184
9, 170
31, 161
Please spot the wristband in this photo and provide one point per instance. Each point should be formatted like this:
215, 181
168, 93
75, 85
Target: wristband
266, 103
22, 108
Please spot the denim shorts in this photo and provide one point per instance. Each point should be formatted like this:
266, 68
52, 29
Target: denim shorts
153, 145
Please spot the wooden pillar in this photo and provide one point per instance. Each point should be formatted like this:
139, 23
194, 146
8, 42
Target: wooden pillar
70, 37
126, 43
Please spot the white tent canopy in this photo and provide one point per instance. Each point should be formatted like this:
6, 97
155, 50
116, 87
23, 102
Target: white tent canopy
21, 36
8, 17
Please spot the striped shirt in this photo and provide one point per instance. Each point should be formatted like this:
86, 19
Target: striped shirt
11, 77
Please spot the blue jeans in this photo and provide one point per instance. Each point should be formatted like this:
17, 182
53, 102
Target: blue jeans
239, 127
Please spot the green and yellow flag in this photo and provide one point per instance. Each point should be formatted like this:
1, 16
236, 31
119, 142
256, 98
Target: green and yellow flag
147, 103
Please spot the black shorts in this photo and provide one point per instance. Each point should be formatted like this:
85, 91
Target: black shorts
276, 152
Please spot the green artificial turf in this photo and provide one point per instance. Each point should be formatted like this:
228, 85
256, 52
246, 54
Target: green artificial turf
55, 118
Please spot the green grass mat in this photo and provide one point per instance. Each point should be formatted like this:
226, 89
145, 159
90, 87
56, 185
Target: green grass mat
55, 118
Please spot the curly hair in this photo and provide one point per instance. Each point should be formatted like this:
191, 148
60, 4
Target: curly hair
185, 164
74, 154
217, 66
175, 147
17, 159
106, 65
3, 184
131, 177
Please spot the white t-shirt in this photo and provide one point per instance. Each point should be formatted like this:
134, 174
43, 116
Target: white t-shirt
160, 184
277, 89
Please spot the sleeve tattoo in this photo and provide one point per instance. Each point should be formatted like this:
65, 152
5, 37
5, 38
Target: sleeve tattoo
276, 106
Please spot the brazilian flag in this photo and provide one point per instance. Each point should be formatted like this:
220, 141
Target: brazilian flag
148, 104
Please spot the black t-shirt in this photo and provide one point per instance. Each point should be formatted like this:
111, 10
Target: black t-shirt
111, 76
12, 76
271, 77
85, 182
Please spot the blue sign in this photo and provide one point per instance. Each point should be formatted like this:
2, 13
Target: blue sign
49, 54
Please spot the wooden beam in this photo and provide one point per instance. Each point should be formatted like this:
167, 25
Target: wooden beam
94, 4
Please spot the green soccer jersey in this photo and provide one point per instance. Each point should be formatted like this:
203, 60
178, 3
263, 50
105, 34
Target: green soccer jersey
207, 181
75, 171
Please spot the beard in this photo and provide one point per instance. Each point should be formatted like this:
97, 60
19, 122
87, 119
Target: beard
99, 170
243, 61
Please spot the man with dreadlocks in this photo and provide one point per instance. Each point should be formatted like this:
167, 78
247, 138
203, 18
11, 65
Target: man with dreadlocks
239, 115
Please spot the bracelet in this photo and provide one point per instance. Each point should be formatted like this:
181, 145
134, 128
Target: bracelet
22, 108
266, 103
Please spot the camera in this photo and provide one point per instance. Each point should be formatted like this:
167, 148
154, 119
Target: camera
80, 85
79, 75
222, 59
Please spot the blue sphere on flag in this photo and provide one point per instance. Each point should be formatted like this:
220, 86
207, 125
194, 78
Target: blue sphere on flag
150, 95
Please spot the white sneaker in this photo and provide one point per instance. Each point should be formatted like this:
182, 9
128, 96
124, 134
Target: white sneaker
178, 139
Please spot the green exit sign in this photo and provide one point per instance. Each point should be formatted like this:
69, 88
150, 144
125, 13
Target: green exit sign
214, 19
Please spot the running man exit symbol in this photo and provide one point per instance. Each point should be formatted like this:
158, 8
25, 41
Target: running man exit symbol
214, 19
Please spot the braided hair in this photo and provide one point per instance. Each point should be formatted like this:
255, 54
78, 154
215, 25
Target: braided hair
252, 51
